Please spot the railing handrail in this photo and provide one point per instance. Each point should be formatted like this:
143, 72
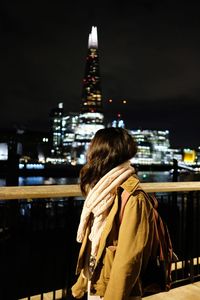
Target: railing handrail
73, 190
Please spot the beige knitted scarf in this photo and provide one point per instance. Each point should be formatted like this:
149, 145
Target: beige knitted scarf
98, 202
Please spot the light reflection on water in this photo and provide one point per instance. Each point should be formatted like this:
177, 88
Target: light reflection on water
144, 177
148, 176
2, 182
46, 181
31, 180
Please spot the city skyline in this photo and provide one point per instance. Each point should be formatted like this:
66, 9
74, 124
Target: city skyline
149, 56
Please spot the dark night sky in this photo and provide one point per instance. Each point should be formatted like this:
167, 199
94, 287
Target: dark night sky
149, 55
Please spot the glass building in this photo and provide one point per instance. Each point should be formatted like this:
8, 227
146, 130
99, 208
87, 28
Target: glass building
56, 118
153, 146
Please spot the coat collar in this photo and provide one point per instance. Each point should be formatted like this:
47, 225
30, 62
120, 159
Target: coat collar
131, 184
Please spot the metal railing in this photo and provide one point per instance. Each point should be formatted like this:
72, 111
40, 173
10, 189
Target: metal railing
38, 224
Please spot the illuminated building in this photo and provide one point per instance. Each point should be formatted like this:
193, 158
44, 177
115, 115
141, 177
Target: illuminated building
56, 116
91, 92
3, 151
198, 156
189, 156
153, 147
63, 134
70, 122
91, 117
119, 122
72, 133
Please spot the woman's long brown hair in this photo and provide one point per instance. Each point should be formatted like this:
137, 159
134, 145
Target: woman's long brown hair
109, 148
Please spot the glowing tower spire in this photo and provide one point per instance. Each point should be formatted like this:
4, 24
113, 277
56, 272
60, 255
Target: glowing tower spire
92, 39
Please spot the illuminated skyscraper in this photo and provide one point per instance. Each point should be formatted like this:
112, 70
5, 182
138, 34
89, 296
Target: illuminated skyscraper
91, 93
91, 117
56, 117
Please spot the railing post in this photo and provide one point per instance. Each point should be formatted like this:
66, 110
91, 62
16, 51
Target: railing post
12, 171
190, 235
175, 171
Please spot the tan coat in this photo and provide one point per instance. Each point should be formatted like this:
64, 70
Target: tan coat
123, 253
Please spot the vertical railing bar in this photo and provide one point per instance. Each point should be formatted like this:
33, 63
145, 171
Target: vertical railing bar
192, 200
172, 203
194, 231
54, 295
183, 230
198, 232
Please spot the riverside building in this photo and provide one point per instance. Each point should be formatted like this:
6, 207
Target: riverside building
72, 133
153, 147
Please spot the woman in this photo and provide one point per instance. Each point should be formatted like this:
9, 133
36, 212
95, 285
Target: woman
114, 250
